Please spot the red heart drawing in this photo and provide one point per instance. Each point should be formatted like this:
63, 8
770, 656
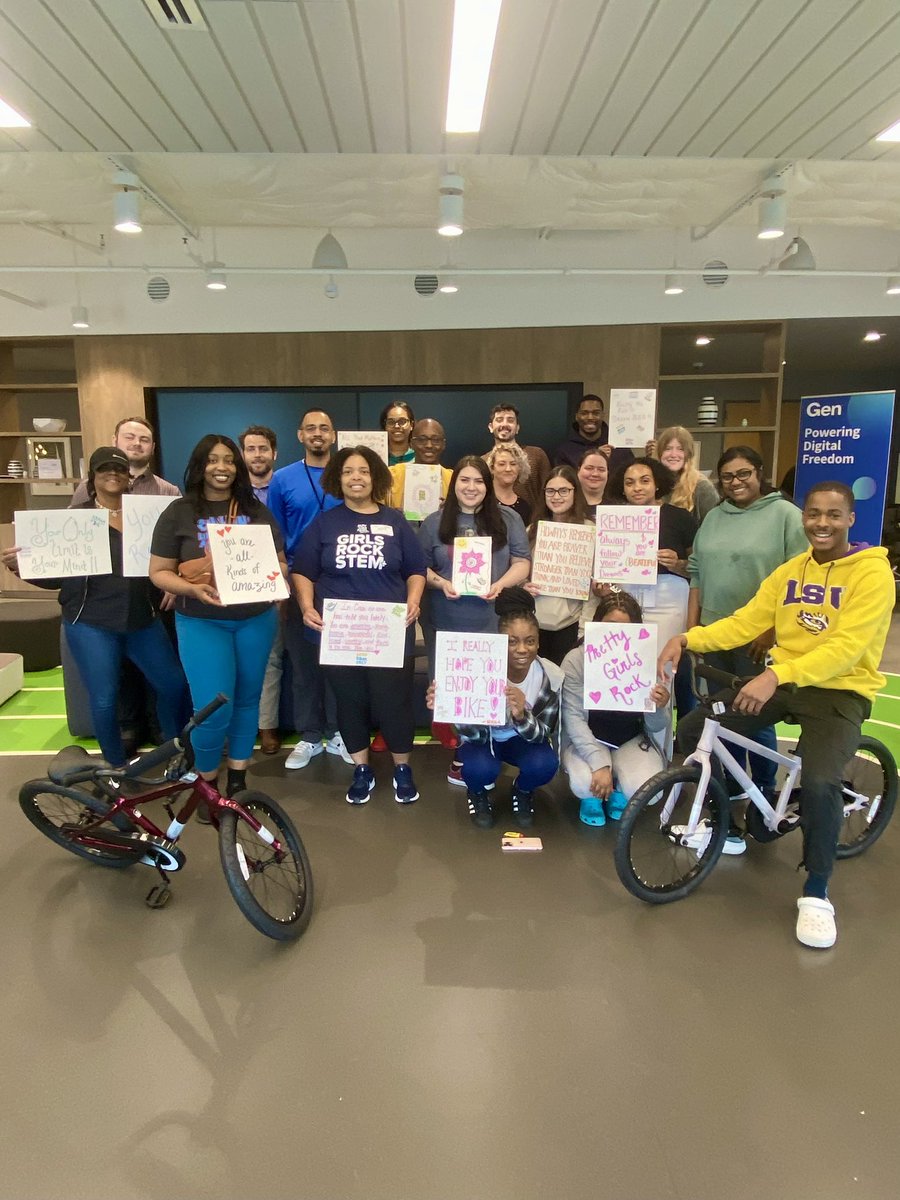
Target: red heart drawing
645, 633
274, 575
221, 531
646, 571
595, 696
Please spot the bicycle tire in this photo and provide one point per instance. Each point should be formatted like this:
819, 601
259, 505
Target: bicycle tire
872, 770
275, 896
48, 806
651, 863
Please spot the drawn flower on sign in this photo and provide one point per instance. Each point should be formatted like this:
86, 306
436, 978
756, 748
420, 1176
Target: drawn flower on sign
471, 562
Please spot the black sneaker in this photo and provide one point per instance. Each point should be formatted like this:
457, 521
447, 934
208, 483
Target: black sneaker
523, 808
481, 810
363, 782
405, 791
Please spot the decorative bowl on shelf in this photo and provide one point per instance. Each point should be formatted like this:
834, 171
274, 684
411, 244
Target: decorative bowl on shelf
48, 424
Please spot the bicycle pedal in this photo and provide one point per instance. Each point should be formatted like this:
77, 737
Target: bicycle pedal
158, 896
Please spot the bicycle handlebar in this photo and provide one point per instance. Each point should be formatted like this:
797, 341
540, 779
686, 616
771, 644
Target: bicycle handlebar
168, 750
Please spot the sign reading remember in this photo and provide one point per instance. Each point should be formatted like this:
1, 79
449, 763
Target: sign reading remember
139, 517
470, 672
246, 564
619, 666
627, 542
63, 543
363, 633
563, 559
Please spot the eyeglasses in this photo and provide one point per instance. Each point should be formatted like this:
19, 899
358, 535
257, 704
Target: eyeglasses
730, 476
551, 492
397, 422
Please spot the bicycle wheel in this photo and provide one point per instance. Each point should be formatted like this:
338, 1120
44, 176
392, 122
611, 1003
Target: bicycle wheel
274, 892
49, 806
655, 858
870, 795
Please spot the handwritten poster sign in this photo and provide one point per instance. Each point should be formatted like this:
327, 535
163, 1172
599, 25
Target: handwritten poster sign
632, 416
375, 439
363, 633
619, 666
470, 671
563, 559
421, 491
472, 566
139, 517
59, 543
627, 543
245, 563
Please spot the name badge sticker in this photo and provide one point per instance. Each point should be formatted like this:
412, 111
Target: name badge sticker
387, 530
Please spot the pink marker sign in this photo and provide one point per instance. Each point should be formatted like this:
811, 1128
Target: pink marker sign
619, 666
627, 544
470, 671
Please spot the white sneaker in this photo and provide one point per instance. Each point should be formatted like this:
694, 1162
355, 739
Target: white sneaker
335, 745
301, 754
700, 838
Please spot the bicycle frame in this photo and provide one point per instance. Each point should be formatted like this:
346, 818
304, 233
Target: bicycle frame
711, 743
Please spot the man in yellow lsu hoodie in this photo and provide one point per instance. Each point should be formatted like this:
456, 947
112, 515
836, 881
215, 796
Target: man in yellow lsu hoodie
831, 609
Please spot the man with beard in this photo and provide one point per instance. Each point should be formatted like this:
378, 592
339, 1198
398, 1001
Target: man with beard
259, 446
504, 427
295, 500
135, 438
591, 433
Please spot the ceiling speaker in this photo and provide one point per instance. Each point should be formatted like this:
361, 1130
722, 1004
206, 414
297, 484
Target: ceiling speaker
426, 285
158, 288
715, 273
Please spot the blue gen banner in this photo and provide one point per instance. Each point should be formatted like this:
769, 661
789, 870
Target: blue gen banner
848, 438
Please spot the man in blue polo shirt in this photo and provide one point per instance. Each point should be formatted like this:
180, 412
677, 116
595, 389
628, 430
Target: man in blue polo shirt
295, 500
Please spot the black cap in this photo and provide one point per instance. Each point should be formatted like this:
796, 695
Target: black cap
107, 456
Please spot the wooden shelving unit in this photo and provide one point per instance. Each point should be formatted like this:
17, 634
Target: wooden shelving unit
741, 368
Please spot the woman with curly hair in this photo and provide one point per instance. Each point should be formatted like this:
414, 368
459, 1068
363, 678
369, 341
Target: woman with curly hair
509, 466
223, 648
365, 550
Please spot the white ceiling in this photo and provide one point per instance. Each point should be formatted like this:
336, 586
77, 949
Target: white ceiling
615, 132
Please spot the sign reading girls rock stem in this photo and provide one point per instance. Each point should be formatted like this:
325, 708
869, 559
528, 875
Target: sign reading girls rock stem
60, 543
563, 559
472, 566
470, 672
632, 416
627, 543
139, 517
245, 563
619, 666
363, 633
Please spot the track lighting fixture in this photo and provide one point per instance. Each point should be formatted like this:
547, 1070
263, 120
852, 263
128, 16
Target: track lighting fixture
329, 255
893, 286
450, 223
216, 279
772, 208
80, 317
127, 203
673, 285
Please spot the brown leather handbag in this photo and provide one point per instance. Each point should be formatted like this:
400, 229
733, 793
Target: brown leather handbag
200, 570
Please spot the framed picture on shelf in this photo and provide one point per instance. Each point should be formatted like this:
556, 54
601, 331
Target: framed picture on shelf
50, 466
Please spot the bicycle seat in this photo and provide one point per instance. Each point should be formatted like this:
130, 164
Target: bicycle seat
73, 764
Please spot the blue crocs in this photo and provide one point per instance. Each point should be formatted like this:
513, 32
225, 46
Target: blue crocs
591, 811
616, 805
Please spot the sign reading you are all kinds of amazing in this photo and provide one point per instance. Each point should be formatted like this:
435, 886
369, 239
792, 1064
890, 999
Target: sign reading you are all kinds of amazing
627, 544
63, 543
619, 666
470, 671
246, 564
562, 560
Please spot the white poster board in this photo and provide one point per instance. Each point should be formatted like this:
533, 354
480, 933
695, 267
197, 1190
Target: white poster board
632, 416
619, 666
363, 633
61, 543
563, 559
421, 490
472, 566
470, 676
245, 564
139, 517
627, 543
375, 439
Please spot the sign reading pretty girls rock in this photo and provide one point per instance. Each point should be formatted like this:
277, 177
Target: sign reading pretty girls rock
848, 438
619, 666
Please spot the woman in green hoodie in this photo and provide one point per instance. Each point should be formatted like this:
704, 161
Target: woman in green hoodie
739, 543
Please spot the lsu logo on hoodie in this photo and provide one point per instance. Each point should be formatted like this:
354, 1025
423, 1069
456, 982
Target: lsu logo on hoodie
816, 594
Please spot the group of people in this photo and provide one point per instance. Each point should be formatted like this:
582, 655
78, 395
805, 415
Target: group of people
743, 575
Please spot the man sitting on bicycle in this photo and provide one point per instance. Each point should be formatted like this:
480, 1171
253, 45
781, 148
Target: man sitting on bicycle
831, 609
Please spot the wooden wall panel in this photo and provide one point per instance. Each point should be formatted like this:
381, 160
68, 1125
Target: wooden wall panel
113, 372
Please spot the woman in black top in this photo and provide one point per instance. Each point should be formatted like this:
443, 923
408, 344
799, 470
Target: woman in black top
107, 618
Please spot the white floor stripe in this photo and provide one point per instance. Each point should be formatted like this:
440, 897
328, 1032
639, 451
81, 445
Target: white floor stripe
40, 689
32, 717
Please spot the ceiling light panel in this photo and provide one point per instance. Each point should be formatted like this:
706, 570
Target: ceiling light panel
10, 119
474, 33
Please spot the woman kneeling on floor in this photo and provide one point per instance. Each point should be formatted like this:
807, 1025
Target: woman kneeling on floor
532, 706
608, 755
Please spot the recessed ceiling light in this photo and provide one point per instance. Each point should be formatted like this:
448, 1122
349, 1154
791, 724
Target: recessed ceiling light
893, 286
474, 32
873, 336
702, 340
673, 285
10, 119
891, 134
